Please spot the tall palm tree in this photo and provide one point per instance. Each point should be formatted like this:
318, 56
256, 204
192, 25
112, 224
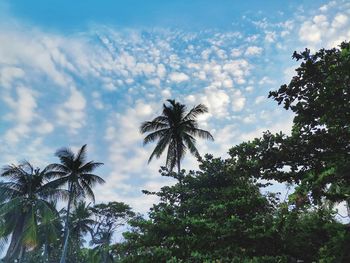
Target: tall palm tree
25, 207
176, 130
76, 172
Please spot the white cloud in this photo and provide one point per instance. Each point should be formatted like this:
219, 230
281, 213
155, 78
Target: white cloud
178, 77
270, 36
45, 127
325, 29
23, 113
166, 93
161, 71
227, 83
236, 52
253, 50
217, 101
251, 118
97, 102
249, 88
266, 80
238, 69
283, 125
8, 74
34, 50
238, 101
71, 114
260, 99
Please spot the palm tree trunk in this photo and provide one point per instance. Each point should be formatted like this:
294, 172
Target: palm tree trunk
178, 159
46, 251
105, 255
21, 254
66, 228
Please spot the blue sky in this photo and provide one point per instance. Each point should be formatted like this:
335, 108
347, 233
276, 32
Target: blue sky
76, 72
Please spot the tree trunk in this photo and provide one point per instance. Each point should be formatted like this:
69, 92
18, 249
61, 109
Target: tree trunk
66, 228
178, 159
105, 255
46, 251
21, 254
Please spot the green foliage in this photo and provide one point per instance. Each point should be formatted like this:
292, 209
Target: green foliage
217, 215
212, 214
25, 211
316, 156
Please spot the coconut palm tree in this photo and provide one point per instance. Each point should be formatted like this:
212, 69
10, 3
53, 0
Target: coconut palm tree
25, 207
176, 130
81, 222
75, 172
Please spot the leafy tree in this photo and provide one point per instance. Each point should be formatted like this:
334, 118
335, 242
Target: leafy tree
176, 130
320, 98
317, 154
77, 173
310, 234
24, 207
219, 215
108, 218
212, 214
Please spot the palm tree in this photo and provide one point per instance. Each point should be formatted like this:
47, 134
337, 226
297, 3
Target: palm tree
176, 130
49, 234
25, 206
81, 222
76, 172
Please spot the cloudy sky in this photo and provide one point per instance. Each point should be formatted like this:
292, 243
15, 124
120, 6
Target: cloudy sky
89, 72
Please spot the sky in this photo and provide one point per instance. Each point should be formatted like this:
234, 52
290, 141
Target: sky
89, 72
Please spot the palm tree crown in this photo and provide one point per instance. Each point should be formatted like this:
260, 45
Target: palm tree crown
176, 130
75, 171
25, 206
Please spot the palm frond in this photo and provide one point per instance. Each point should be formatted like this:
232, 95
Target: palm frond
57, 183
160, 147
89, 167
91, 179
11, 206
88, 191
195, 111
9, 190
65, 155
190, 143
81, 155
30, 233
49, 193
154, 136
149, 126
200, 133
171, 157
